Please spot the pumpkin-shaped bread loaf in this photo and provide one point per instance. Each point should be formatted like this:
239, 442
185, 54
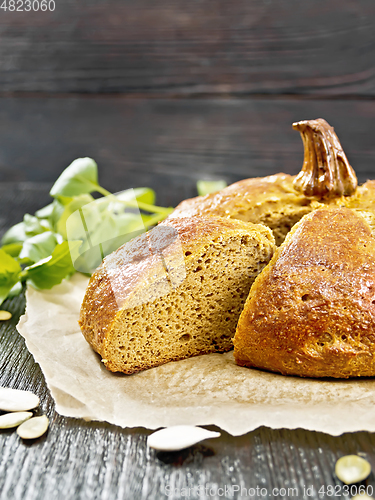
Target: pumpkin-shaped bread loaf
178, 291
311, 312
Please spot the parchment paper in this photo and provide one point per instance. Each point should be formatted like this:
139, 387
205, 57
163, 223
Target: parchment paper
203, 390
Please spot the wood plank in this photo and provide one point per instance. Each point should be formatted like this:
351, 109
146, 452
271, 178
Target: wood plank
320, 47
170, 144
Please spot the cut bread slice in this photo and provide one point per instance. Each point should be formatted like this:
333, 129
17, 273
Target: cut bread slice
174, 292
311, 312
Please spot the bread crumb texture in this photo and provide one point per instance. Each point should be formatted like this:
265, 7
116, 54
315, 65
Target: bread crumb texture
197, 314
311, 312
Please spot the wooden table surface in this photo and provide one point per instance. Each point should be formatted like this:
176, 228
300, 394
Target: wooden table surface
162, 94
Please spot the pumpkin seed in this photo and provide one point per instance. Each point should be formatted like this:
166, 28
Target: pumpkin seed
16, 400
179, 437
33, 428
4, 315
15, 419
352, 469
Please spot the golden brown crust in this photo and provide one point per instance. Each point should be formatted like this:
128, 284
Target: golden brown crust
196, 231
271, 201
122, 277
363, 198
240, 197
98, 309
311, 312
326, 172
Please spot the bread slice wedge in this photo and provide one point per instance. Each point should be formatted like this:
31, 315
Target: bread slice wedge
311, 312
174, 292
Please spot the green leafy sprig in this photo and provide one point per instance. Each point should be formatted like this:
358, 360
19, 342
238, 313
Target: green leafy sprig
36, 250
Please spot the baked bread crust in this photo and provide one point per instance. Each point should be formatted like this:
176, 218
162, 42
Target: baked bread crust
131, 285
311, 312
363, 198
270, 200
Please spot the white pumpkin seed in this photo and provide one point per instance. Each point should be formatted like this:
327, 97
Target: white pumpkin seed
16, 400
179, 437
362, 496
33, 428
4, 315
15, 419
352, 469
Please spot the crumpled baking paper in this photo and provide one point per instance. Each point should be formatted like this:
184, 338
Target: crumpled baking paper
203, 390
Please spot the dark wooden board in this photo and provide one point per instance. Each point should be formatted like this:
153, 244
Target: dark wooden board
319, 47
80, 460
170, 144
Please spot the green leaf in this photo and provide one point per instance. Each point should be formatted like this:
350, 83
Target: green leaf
64, 200
137, 198
39, 246
12, 249
81, 177
25, 262
105, 229
52, 270
9, 274
102, 226
15, 290
45, 212
34, 226
30, 226
95, 244
152, 220
123, 227
16, 234
143, 194
54, 211
207, 187
77, 203
128, 222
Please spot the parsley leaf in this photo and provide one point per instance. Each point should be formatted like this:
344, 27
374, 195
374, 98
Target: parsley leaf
9, 274
79, 178
52, 270
39, 246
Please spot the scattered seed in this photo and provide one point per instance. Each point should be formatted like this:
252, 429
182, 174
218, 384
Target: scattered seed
33, 428
179, 437
16, 400
15, 419
4, 315
352, 469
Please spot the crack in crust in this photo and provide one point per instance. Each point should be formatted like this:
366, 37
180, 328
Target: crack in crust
326, 172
